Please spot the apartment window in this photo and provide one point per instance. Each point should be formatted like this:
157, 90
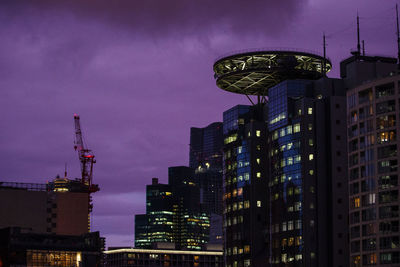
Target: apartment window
311, 156
258, 133
309, 111
296, 128
310, 142
258, 203
310, 126
258, 174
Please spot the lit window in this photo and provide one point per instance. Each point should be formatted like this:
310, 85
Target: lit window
240, 191
258, 174
311, 172
284, 226
246, 204
239, 150
283, 163
289, 161
258, 203
357, 202
311, 156
296, 128
310, 142
309, 111
246, 249
298, 240
290, 225
299, 112
258, 161
310, 127
258, 133
371, 199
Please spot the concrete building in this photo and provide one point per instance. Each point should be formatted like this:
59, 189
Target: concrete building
373, 143
59, 207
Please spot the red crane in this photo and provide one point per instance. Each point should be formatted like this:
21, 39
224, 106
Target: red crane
86, 157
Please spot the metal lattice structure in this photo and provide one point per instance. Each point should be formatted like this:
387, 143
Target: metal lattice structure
253, 73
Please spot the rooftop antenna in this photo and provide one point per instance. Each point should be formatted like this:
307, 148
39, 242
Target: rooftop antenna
363, 48
398, 38
358, 35
324, 63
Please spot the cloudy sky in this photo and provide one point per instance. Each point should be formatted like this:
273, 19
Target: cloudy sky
139, 73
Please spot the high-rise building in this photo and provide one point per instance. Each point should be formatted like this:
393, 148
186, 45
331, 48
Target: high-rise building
285, 179
205, 158
174, 213
307, 178
206, 147
373, 158
157, 225
245, 195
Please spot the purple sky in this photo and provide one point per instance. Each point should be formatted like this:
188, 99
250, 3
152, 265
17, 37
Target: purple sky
139, 73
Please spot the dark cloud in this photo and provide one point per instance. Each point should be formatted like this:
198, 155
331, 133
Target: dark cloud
155, 17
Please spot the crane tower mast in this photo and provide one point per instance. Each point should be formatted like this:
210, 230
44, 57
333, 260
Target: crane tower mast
86, 157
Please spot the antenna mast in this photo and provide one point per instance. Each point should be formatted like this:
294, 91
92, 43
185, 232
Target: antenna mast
398, 38
358, 35
324, 63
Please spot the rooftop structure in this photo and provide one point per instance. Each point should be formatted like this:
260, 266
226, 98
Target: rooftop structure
162, 257
253, 73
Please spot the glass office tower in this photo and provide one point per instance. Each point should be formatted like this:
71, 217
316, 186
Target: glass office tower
205, 158
245, 198
307, 180
174, 213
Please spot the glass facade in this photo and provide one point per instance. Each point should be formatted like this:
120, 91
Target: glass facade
173, 213
244, 185
286, 185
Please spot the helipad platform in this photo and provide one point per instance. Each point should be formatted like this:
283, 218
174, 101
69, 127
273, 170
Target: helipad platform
253, 73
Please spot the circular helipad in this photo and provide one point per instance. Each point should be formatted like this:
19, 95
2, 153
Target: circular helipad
253, 73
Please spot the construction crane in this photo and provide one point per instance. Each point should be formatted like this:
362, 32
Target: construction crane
86, 157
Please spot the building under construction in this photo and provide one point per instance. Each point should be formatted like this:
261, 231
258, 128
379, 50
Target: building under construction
62, 206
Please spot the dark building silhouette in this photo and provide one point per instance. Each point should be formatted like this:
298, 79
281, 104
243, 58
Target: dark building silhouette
205, 158
174, 213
